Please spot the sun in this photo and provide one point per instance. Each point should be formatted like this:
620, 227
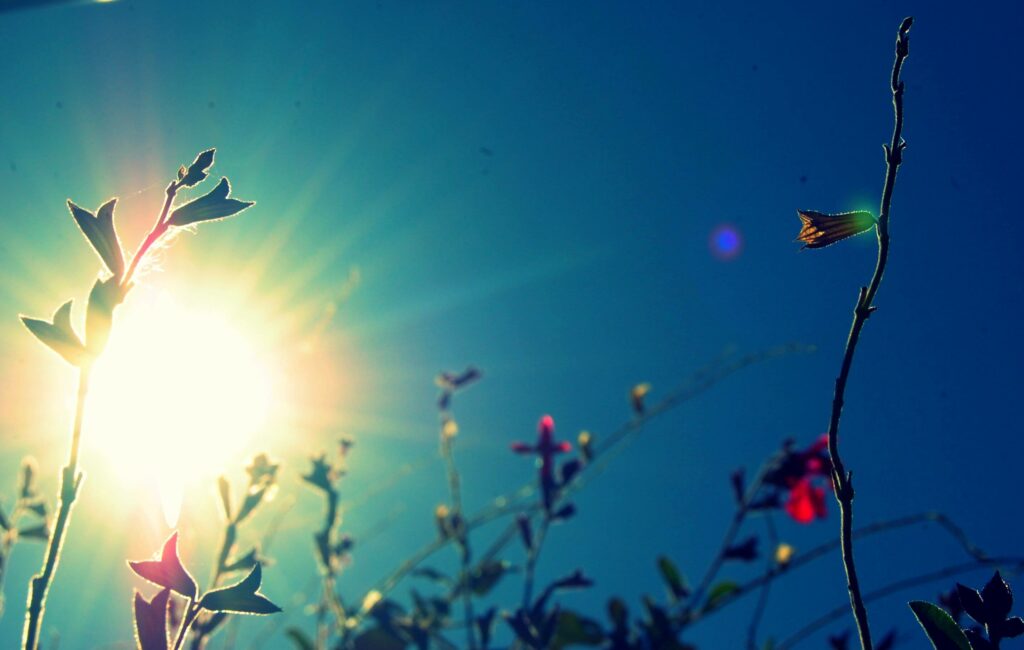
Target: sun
177, 397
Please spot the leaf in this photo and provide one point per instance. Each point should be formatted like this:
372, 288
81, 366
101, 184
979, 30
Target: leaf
168, 570
215, 205
486, 577
574, 630
151, 621
939, 626
59, 335
971, 602
432, 574
998, 599
300, 639
1012, 627
378, 638
246, 562
240, 598
99, 230
224, 489
40, 533
252, 499
196, 172
99, 316
674, 580
819, 229
721, 591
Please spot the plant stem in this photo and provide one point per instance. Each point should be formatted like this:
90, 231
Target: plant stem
842, 478
465, 556
531, 561
71, 481
191, 611
159, 228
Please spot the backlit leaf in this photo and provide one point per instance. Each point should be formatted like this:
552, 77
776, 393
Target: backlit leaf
720, 591
240, 598
300, 639
99, 230
99, 316
215, 205
940, 627
674, 580
168, 570
197, 171
59, 335
151, 621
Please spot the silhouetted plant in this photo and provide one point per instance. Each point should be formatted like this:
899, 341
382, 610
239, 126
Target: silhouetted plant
261, 487
108, 291
167, 571
28, 504
820, 230
989, 608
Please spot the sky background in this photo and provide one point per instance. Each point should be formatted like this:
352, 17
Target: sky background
530, 188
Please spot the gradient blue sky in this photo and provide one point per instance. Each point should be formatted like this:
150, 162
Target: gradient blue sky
568, 263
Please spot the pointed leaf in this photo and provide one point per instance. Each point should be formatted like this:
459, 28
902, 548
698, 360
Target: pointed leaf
300, 639
721, 591
168, 570
224, 488
59, 335
939, 626
196, 172
99, 230
998, 599
970, 601
674, 580
575, 630
99, 316
39, 533
151, 621
215, 205
240, 598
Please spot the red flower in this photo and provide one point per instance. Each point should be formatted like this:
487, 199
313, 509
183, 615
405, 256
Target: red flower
806, 502
546, 448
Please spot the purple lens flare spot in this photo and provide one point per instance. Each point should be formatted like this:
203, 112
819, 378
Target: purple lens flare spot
725, 242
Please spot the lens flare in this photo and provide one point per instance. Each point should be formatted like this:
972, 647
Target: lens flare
177, 397
725, 242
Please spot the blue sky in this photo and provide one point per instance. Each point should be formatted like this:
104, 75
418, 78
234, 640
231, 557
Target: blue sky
530, 188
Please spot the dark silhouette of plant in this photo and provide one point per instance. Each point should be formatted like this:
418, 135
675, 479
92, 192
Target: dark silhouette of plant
261, 487
989, 608
820, 230
167, 571
27, 504
108, 291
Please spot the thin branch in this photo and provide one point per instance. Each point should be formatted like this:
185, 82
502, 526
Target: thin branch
71, 481
842, 478
762, 601
801, 559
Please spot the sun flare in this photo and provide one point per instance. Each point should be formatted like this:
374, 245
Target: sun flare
178, 396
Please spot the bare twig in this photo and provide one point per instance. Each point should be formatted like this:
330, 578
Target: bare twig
842, 478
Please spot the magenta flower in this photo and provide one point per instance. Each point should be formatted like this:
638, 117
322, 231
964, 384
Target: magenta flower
546, 448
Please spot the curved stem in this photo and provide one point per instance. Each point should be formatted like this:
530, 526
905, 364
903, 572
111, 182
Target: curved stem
842, 478
71, 481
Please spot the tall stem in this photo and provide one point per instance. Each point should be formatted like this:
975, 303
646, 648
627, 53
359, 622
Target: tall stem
71, 481
842, 478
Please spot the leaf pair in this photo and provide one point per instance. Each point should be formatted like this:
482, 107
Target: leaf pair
990, 607
168, 572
